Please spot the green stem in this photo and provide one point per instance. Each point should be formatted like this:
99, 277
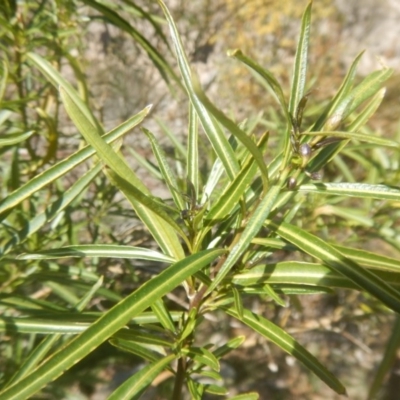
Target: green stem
179, 380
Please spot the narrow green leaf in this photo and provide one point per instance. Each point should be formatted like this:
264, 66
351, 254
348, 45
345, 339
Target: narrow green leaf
196, 389
302, 273
358, 136
216, 390
14, 138
153, 19
250, 231
4, 116
269, 291
265, 74
63, 290
99, 250
53, 210
159, 61
146, 164
300, 63
40, 351
211, 128
370, 85
288, 344
154, 336
371, 259
329, 152
157, 220
57, 80
147, 352
81, 78
202, 356
368, 111
165, 170
42, 326
109, 323
213, 179
209, 374
134, 386
3, 79
246, 396
332, 115
321, 250
361, 190
177, 144
387, 361
92, 136
235, 131
163, 315
289, 289
190, 325
237, 301
129, 183
229, 346
233, 192
64, 166
192, 160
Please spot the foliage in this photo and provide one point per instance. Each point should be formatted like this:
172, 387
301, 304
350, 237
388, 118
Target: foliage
215, 237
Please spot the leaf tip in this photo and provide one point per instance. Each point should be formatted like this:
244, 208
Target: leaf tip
234, 53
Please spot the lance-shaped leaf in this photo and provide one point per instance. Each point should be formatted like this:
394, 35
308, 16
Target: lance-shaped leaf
327, 153
137, 193
246, 396
3, 78
333, 113
368, 111
366, 89
165, 170
229, 346
235, 130
54, 209
300, 63
159, 61
99, 250
232, 194
213, 131
192, 159
40, 351
163, 315
363, 257
44, 326
321, 250
361, 190
134, 386
288, 344
387, 361
302, 273
109, 323
357, 136
177, 144
147, 352
57, 80
202, 356
14, 138
269, 78
64, 166
143, 204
